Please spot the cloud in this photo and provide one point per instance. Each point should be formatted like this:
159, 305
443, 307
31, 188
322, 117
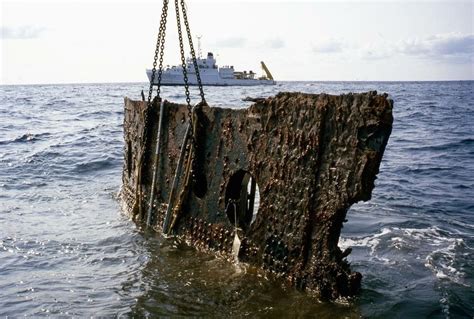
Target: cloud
329, 46
231, 42
274, 43
451, 46
21, 32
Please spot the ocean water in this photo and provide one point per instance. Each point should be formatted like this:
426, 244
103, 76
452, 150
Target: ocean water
66, 249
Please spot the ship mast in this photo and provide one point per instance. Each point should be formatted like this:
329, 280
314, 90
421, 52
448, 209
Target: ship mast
199, 46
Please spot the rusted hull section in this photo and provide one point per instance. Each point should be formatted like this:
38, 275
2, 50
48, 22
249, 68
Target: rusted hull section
310, 157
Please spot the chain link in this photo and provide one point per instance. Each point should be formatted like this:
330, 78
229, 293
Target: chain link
186, 87
158, 61
193, 53
159, 46
183, 61
164, 17
158, 50
194, 141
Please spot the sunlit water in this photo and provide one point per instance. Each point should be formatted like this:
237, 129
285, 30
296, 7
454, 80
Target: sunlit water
67, 249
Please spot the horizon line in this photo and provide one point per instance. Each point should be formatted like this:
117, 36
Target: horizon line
282, 81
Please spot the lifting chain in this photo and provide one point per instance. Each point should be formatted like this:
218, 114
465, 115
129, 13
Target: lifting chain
159, 51
192, 122
160, 42
193, 53
158, 58
164, 16
183, 62
160, 45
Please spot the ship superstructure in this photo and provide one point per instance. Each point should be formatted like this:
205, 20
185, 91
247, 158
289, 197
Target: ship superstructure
212, 75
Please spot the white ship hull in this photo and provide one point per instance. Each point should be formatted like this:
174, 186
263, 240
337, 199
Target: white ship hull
175, 78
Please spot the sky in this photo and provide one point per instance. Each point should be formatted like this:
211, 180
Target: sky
95, 41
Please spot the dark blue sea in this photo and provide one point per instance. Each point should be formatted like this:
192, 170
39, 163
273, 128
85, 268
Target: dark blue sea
67, 249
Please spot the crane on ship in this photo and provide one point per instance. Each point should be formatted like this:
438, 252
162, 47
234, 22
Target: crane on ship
267, 71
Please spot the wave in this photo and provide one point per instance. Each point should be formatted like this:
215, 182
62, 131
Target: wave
442, 261
441, 251
59, 103
95, 165
452, 145
428, 103
98, 114
27, 137
467, 141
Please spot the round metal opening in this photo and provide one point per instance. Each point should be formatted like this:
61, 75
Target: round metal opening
242, 199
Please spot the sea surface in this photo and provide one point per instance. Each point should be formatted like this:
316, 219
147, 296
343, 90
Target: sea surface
67, 249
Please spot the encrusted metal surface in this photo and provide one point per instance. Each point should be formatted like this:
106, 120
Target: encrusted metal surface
312, 156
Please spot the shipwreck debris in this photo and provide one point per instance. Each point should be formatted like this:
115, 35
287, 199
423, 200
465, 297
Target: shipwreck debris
197, 172
311, 156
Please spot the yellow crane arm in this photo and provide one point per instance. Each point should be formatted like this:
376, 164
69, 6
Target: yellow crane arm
267, 71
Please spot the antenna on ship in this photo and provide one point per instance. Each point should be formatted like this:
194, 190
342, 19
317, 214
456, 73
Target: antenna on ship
199, 46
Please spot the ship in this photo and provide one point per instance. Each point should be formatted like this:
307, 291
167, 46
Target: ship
211, 74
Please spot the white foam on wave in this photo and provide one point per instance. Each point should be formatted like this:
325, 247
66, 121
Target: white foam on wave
442, 262
438, 249
369, 241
